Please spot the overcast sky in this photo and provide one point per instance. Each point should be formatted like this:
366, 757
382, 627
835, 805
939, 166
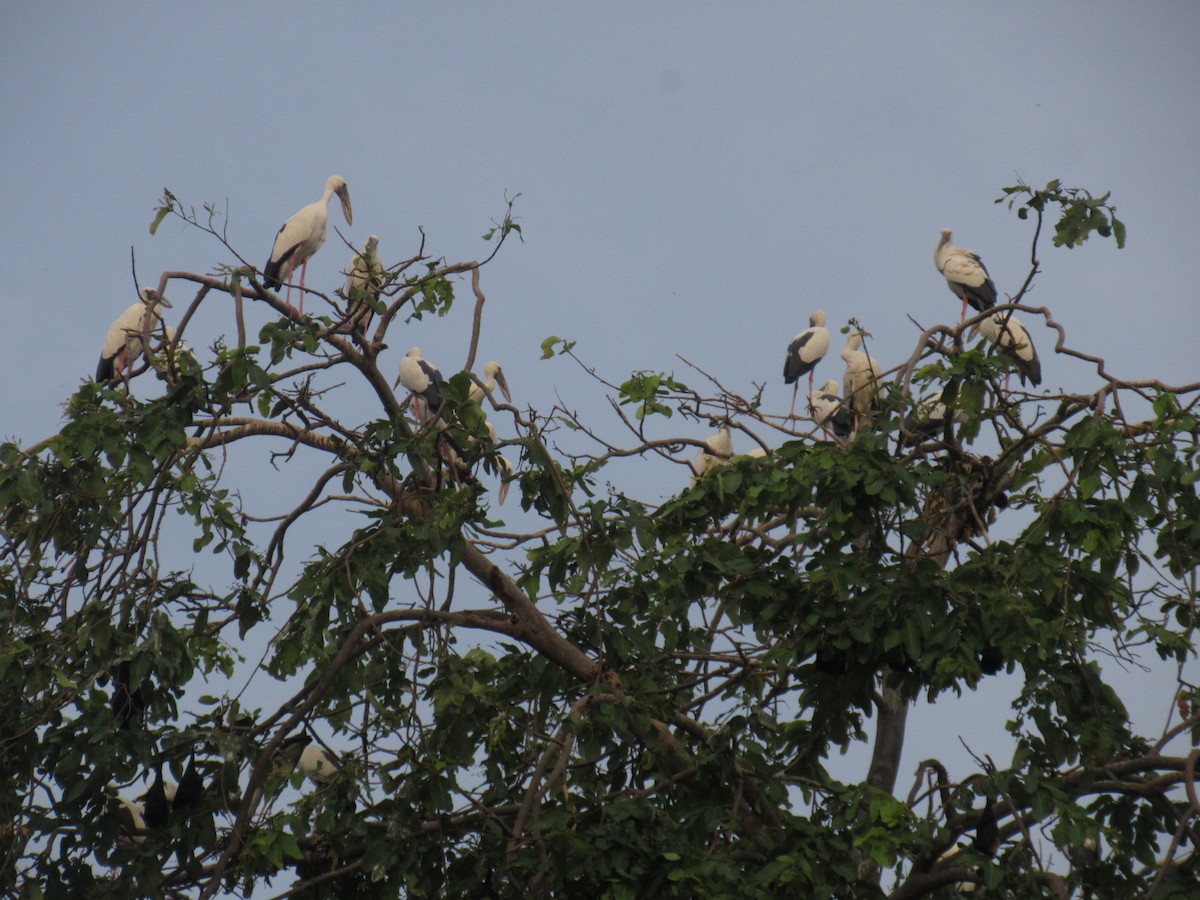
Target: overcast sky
694, 178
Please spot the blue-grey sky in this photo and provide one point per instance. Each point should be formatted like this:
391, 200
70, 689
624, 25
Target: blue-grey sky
694, 178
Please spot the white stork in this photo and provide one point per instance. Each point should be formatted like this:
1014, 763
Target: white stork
965, 274
927, 419
718, 451
301, 236
424, 380
804, 352
493, 377
861, 381
829, 412
363, 281
316, 763
1003, 330
123, 343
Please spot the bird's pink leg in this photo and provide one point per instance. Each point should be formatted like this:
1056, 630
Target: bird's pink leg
288, 297
963, 317
303, 272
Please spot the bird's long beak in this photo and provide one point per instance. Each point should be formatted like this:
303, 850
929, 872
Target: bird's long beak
344, 194
502, 383
396, 383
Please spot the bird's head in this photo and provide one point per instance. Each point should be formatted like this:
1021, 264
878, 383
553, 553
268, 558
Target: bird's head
337, 184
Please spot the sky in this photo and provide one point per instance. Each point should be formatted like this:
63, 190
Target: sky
693, 179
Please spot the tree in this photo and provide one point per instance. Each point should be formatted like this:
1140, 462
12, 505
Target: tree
625, 698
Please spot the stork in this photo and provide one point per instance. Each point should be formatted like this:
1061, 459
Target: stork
829, 412
493, 378
927, 418
717, 451
123, 344
301, 236
424, 380
965, 274
1010, 337
321, 767
363, 283
804, 352
861, 381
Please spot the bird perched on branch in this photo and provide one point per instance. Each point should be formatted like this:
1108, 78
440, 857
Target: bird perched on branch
927, 419
363, 283
1004, 331
124, 342
493, 376
301, 753
861, 381
301, 236
829, 412
425, 381
718, 450
804, 352
965, 274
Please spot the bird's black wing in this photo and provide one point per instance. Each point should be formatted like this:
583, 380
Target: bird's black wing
794, 366
274, 267
432, 395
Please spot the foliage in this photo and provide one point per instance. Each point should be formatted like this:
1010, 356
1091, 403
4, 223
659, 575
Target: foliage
612, 696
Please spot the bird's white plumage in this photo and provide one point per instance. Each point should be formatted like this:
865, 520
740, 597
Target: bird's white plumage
424, 380
861, 381
123, 343
1009, 335
965, 273
363, 279
303, 234
718, 452
316, 763
362, 267
804, 352
493, 377
807, 348
928, 416
828, 410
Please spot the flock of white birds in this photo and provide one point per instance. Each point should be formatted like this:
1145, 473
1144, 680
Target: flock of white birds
303, 234
968, 279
